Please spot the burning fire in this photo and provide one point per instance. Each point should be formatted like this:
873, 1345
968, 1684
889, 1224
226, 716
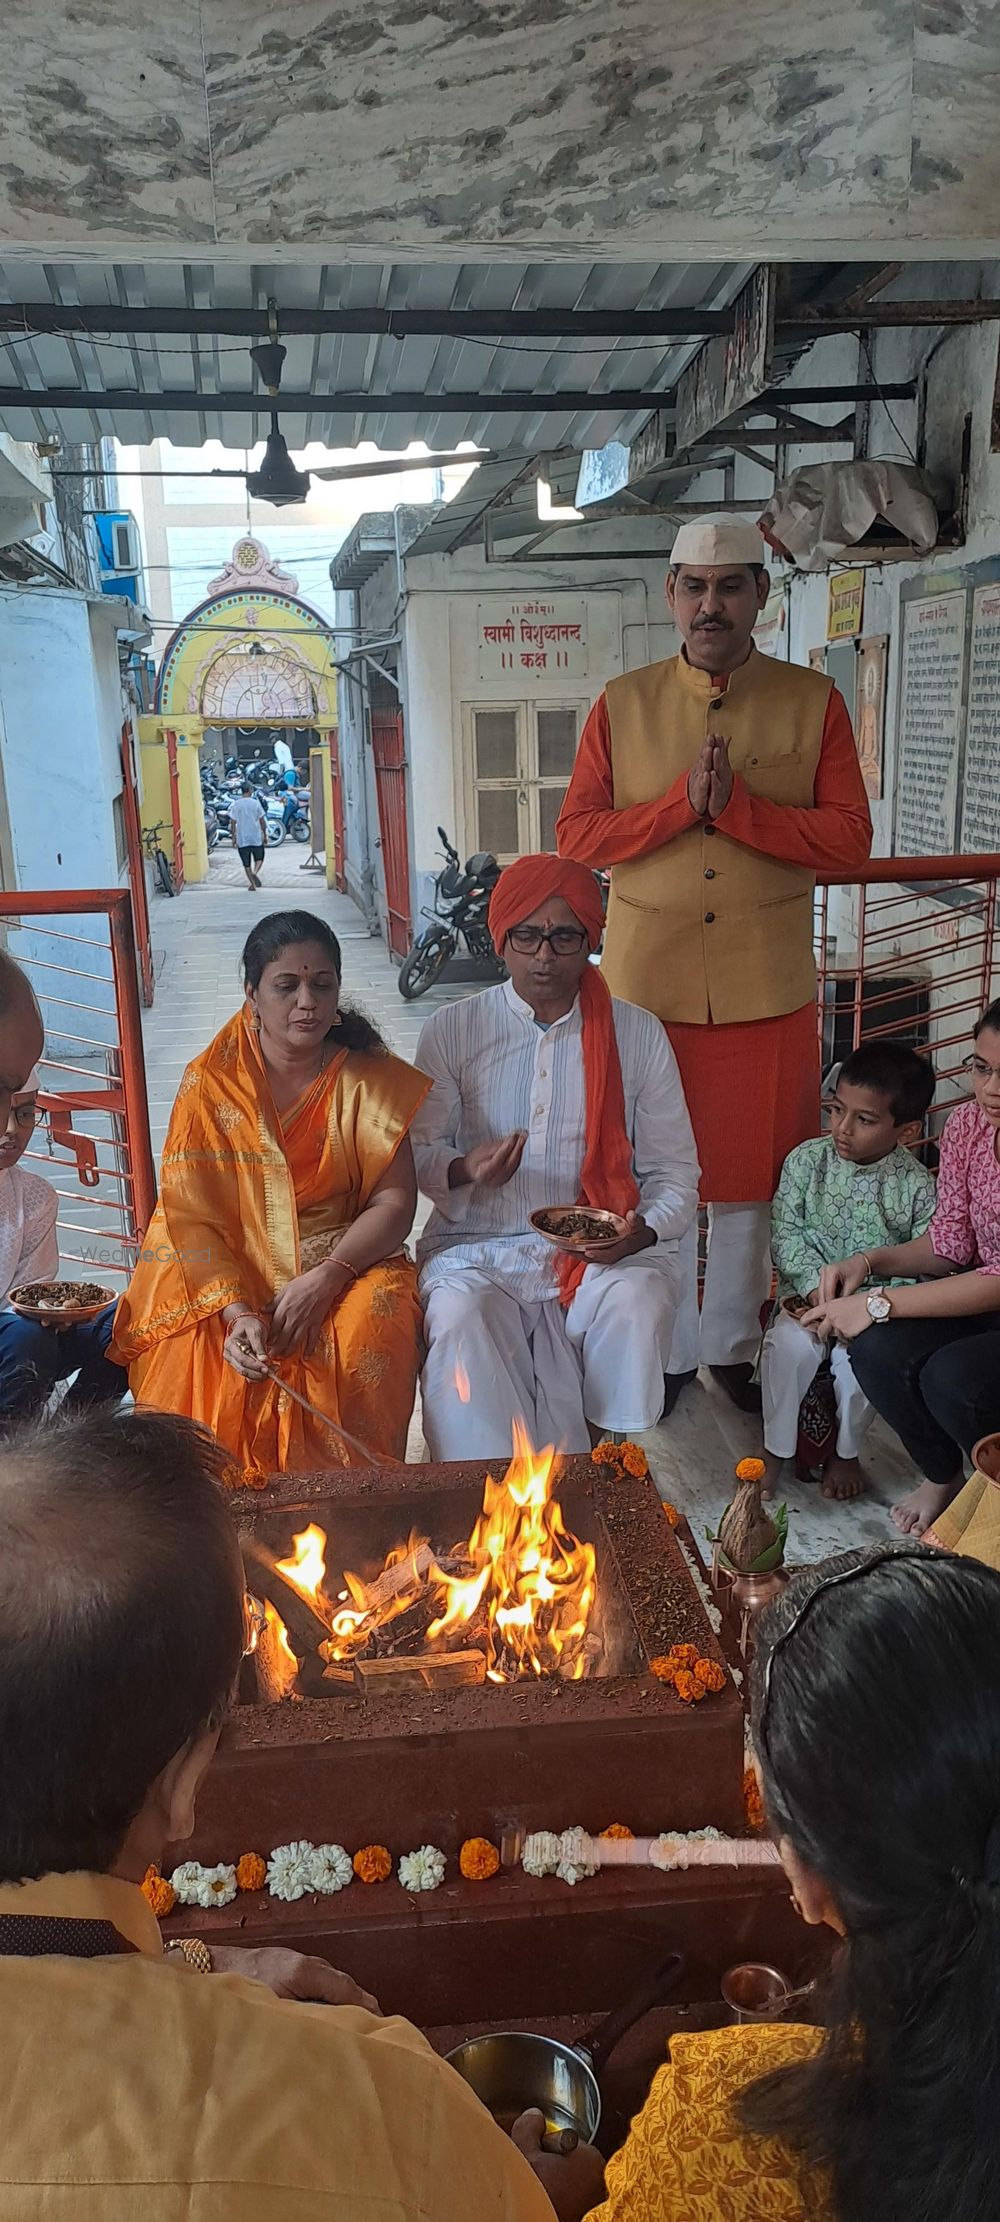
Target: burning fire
538, 1583
522, 1588
284, 1665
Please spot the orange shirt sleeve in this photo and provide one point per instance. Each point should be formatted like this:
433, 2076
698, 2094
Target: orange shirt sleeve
834, 834
590, 830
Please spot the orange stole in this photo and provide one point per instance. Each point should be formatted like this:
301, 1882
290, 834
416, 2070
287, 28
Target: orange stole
242, 1191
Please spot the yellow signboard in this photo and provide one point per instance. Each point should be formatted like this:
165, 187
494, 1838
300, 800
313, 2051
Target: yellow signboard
845, 606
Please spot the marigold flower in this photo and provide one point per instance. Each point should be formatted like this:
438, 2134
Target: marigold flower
751, 1469
635, 1461
686, 1654
373, 1864
665, 1669
251, 1871
478, 1859
158, 1893
605, 1454
671, 1515
753, 1803
709, 1674
688, 1687
618, 1828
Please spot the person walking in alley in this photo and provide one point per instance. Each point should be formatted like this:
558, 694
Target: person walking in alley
249, 832
714, 785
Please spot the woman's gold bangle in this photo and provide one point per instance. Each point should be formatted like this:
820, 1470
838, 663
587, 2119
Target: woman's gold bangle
346, 1266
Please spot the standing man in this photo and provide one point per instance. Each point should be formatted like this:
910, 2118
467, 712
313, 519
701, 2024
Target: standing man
249, 832
715, 785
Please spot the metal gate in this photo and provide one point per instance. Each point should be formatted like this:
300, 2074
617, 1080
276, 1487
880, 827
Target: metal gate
78, 950
337, 829
390, 789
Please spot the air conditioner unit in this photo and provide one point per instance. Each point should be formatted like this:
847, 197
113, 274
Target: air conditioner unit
126, 554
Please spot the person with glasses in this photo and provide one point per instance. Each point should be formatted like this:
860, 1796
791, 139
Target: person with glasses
928, 1357
548, 1091
876, 1721
33, 1358
149, 2080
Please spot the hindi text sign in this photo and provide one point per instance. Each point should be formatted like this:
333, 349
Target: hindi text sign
539, 636
981, 798
845, 605
930, 716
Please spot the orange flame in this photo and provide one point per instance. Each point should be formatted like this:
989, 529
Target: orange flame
282, 1658
463, 1384
305, 1571
532, 1581
538, 1581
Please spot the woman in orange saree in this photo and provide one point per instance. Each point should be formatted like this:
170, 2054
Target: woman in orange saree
287, 1193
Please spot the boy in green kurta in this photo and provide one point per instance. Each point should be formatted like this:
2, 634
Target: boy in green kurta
855, 1189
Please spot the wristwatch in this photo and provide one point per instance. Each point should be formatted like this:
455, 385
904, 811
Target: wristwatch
879, 1307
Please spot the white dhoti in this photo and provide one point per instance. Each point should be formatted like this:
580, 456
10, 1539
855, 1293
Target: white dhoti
788, 1363
726, 1332
601, 1359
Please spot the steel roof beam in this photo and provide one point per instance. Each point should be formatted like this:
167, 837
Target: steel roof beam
127, 400
484, 323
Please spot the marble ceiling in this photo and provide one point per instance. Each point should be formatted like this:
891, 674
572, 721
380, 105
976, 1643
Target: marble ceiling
640, 128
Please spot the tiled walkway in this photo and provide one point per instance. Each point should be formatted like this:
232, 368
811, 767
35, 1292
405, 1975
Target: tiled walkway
197, 942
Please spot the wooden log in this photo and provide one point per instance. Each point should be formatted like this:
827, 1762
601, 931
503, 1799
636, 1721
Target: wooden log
426, 1670
306, 1627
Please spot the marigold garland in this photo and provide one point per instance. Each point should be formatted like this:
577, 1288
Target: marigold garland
478, 1859
691, 1675
158, 1893
665, 1669
618, 1829
686, 1654
373, 1864
753, 1803
624, 1458
709, 1673
671, 1515
688, 1687
251, 1871
751, 1469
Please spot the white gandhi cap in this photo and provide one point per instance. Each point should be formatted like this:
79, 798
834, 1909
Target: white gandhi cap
719, 539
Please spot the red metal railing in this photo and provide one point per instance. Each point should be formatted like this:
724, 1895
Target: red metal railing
909, 947
78, 949
336, 831
136, 862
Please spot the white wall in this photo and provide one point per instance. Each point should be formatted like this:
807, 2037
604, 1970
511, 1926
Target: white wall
626, 625
60, 720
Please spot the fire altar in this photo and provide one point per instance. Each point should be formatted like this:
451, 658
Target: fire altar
449, 1656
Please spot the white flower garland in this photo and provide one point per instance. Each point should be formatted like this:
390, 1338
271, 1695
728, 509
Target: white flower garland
331, 1869
422, 1869
290, 1871
195, 1885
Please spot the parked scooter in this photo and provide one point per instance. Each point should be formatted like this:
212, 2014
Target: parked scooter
461, 903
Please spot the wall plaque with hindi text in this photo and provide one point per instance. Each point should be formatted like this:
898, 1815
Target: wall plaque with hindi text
930, 723
541, 636
981, 798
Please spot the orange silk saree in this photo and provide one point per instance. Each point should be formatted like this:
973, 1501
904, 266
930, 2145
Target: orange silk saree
249, 1199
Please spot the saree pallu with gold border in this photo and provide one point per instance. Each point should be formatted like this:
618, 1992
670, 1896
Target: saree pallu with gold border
248, 1200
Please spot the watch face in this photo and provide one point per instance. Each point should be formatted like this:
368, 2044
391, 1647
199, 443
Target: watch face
879, 1307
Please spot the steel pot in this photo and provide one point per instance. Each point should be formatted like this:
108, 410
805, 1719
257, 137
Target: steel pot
511, 2070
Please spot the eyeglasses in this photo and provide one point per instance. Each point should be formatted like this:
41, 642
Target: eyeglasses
979, 1069
822, 1589
564, 941
254, 1623
24, 1115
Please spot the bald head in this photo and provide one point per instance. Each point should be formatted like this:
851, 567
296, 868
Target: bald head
22, 1037
121, 1619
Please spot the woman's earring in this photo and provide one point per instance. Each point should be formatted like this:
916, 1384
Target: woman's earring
254, 1018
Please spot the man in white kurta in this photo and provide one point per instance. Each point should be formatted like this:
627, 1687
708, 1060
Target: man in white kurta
501, 1135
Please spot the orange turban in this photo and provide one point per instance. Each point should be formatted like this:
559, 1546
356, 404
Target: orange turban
608, 1181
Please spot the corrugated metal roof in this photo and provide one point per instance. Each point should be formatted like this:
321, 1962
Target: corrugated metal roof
509, 490
375, 365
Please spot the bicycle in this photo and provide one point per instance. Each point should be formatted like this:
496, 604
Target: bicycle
158, 858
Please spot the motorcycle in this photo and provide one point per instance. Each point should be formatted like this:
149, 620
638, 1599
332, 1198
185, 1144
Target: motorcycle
461, 902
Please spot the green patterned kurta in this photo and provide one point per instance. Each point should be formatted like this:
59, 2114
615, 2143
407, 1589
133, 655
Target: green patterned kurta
826, 1209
